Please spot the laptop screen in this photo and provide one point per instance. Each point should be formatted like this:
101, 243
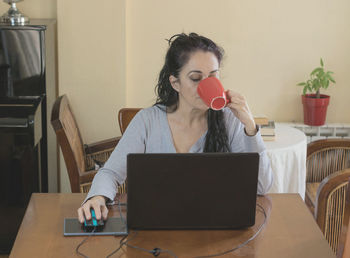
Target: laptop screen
192, 190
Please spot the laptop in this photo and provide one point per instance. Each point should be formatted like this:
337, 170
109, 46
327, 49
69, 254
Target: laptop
192, 190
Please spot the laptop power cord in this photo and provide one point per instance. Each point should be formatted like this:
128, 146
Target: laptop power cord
82, 242
262, 210
157, 251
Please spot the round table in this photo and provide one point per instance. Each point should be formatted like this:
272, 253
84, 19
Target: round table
288, 160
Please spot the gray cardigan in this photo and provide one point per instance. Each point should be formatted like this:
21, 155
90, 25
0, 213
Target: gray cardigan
149, 132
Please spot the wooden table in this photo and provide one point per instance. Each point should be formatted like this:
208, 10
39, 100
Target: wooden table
290, 231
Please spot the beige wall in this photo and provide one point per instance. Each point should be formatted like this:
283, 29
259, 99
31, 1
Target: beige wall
91, 45
270, 46
92, 63
110, 52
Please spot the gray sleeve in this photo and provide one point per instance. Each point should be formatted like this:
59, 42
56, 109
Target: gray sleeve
240, 142
114, 170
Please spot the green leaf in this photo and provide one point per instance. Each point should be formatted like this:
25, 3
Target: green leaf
324, 83
316, 70
319, 78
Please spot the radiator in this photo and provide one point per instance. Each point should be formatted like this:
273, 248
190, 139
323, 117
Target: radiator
313, 133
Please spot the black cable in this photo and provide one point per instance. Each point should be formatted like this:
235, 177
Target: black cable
244, 243
122, 239
120, 213
120, 246
82, 242
121, 243
93, 231
156, 251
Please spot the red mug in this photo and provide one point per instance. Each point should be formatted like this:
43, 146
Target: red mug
212, 93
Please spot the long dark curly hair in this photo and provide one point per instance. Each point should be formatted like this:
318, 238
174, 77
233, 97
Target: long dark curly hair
180, 48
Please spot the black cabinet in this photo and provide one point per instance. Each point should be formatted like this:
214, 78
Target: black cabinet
27, 92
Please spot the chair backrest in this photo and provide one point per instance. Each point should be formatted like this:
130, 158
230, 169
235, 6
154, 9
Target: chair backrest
344, 239
325, 157
69, 138
125, 115
331, 205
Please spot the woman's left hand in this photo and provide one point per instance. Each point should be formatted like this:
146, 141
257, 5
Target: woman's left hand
240, 109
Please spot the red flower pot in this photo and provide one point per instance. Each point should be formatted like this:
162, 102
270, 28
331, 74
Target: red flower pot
315, 110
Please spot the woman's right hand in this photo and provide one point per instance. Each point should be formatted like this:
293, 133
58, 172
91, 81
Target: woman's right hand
98, 203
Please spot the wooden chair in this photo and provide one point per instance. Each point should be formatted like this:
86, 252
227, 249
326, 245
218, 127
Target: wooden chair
327, 177
344, 239
80, 158
125, 115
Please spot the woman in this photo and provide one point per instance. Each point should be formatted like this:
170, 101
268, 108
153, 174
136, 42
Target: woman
181, 122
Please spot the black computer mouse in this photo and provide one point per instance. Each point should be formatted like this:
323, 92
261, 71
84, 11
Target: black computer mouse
93, 224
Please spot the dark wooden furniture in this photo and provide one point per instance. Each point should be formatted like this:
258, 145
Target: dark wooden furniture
326, 183
290, 231
80, 158
28, 148
125, 115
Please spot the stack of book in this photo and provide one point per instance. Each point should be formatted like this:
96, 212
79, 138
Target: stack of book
261, 120
268, 131
267, 127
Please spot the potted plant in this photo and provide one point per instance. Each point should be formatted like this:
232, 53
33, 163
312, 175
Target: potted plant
315, 104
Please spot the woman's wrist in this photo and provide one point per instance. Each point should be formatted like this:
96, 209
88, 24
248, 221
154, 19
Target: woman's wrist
100, 198
251, 130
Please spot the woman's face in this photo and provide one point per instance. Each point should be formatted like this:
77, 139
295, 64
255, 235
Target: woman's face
200, 66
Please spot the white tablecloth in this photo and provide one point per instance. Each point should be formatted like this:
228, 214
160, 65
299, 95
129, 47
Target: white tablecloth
288, 160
